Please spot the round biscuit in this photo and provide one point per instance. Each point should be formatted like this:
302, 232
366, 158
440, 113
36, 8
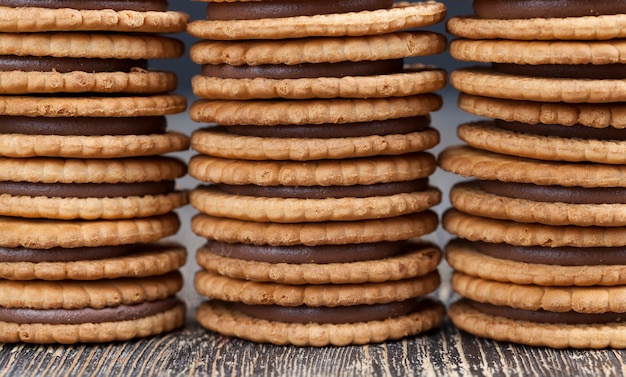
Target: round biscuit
484, 81
214, 202
214, 316
328, 295
318, 50
154, 260
539, 52
469, 198
488, 136
597, 115
419, 261
103, 332
123, 106
45, 233
137, 81
88, 147
91, 45
475, 228
464, 257
554, 335
403, 15
324, 233
567, 28
313, 111
346, 172
412, 81
470, 162
218, 143
68, 294
587, 300
34, 19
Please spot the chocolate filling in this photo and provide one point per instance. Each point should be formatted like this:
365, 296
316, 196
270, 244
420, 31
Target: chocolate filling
574, 131
136, 5
86, 315
301, 254
324, 192
86, 190
542, 316
558, 256
567, 71
553, 193
305, 70
81, 126
399, 126
65, 65
60, 254
512, 9
288, 8
332, 315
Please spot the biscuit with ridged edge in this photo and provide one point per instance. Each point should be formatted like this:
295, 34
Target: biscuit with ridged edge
462, 256
215, 142
488, 136
44, 233
346, 172
68, 294
324, 233
214, 316
101, 332
484, 81
468, 197
587, 300
412, 81
475, 228
154, 259
402, 16
471, 162
318, 50
555, 335
598, 115
313, 111
330, 295
421, 259
34, 19
568, 28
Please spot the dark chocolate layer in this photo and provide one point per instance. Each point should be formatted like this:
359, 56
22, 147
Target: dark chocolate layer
512, 9
86, 315
399, 126
86, 190
542, 316
136, 5
302, 254
64, 65
558, 256
568, 71
305, 70
553, 193
81, 126
60, 254
288, 8
574, 131
332, 315
323, 192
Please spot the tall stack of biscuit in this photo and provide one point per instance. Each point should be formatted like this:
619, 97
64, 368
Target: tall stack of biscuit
85, 193
540, 254
316, 192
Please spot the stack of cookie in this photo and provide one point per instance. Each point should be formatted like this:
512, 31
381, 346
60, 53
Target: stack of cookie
85, 193
540, 254
315, 189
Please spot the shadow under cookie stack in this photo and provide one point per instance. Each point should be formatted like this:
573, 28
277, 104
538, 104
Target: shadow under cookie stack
540, 257
86, 193
314, 195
